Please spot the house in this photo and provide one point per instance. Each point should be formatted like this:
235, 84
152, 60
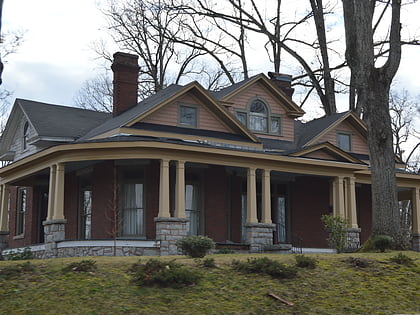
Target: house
235, 165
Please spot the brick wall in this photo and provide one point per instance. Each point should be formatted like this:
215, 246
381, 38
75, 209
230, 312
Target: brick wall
364, 211
71, 205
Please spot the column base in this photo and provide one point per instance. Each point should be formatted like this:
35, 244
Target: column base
416, 242
168, 231
259, 235
54, 231
353, 240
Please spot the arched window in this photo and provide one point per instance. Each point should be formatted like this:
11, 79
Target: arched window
258, 116
25, 135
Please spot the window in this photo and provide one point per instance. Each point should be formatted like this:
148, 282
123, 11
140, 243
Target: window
192, 209
133, 210
25, 136
86, 213
344, 141
20, 211
188, 116
259, 118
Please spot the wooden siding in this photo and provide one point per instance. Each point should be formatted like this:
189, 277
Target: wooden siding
320, 154
358, 142
168, 115
17, 142
241, 101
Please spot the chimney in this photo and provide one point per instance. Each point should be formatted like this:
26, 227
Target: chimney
126, 71
283, 82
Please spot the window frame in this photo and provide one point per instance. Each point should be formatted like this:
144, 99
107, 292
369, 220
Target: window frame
25, 136
349, 135
190, 106
21, 207
83, 215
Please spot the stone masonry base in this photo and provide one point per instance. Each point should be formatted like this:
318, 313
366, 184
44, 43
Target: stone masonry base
54, 231
168, 231
416, 242
259, 236
353, 240
4, 235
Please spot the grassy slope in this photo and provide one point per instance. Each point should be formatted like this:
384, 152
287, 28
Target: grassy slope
334, 287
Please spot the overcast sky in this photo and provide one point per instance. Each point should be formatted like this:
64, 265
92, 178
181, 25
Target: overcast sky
55, 58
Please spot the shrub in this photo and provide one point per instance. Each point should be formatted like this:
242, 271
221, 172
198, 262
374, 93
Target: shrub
305, 262
86, 265
225, 251
195, 246
20, 255
266, 266
207, 263
382, 242
403, 259
12, 271
163, 274
337, 229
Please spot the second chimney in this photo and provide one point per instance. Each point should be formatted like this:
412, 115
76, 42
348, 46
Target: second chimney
126, 70
283, 82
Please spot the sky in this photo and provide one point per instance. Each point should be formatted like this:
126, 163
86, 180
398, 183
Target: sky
55, 57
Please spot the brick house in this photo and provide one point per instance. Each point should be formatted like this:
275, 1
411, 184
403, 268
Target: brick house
235, 165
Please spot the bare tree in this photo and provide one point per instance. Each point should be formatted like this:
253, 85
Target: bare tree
1, 40
372, 86
96, 94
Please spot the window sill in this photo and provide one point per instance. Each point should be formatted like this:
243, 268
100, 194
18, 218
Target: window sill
19, 237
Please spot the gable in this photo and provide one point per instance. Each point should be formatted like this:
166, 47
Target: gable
358, 141
324, 155
169, 115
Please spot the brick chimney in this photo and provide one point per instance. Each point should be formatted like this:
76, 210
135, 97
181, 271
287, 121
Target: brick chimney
126, 71
283, 82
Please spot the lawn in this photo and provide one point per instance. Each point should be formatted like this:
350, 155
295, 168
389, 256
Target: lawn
340, 284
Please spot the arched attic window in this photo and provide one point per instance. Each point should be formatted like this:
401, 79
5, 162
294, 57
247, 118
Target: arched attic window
259, 118
25, 135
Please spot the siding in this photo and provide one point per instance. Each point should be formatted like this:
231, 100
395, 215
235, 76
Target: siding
358, 143
17, 142
320, 155
168, 115
241, 101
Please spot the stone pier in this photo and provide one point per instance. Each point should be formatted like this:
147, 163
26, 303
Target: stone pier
259, 235
168, 231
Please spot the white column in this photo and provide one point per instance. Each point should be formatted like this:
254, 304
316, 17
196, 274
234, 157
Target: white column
339, 197
266, 197
59, 193
415, 207
180, 190
251, 214
51, 192
164, 190
351, 203
4, 211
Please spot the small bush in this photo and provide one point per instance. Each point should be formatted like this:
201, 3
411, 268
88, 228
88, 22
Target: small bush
403, 259
20, 255
195, 246
266, 266
337, 228
305, 262
12, 271
163, 274
382, 242
225, 251
207, 263
86, 265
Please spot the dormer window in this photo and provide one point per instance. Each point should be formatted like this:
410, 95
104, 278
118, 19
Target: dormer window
344, 141
188, 116
25, 135
258, 118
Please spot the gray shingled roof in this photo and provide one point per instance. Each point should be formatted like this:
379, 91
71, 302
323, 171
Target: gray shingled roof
60, 121
305, 132
135, 111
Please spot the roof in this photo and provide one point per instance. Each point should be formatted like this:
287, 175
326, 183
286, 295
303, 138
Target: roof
60, 121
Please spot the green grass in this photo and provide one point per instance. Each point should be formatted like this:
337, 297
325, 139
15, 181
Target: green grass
335, 286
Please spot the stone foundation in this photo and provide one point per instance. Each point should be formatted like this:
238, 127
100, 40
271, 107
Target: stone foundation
259, 236
54, 231
416, 242
4, 237
168, 231
353, 240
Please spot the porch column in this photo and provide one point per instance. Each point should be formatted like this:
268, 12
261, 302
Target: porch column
338, 197
266, 197
164, 190
180, 190
4, 212
251, 210
51, 193
351, 203
415, 208
4, 226
59, 193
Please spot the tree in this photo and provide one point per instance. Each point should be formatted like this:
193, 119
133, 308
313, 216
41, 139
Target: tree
96, 94
372, 85
1, 40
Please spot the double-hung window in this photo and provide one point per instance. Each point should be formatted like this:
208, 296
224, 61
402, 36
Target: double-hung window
344, 141
188, 116
20, 211
132, 210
